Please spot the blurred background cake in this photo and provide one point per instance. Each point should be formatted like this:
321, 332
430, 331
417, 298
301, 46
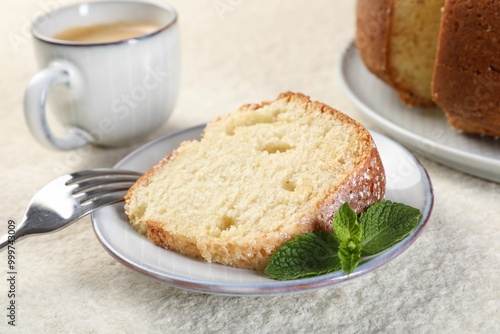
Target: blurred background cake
444, 52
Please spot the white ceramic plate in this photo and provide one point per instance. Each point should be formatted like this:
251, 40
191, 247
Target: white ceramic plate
407, 182
425, 131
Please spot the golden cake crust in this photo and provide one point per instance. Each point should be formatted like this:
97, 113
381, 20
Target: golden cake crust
467, 74
372, 36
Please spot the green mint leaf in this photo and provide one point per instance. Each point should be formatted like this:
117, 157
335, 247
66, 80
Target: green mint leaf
349, 233
306, 255
386, 223
350, 255
345, 224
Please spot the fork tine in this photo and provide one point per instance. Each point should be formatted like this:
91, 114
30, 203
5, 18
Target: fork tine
55, 206
103, 181
84, 197
105, 200
96, 173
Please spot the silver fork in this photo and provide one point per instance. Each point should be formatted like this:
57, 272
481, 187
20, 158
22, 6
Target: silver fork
69, 198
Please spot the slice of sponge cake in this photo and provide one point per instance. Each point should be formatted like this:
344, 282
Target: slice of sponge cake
257, 178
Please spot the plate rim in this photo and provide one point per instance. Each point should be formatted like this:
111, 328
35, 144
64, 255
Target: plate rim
274, 287
452, 155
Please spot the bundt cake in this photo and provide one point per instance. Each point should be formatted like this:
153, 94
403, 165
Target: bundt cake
397, 40
445, 52
466, 81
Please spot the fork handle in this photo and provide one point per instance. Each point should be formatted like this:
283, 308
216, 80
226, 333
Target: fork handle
4, 241
19, 232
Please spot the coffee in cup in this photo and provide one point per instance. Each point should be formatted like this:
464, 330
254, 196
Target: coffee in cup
107, 32
109, 72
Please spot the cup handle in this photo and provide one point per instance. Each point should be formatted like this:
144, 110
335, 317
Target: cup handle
35, 98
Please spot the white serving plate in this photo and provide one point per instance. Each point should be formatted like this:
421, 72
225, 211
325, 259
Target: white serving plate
425, 131
407, 182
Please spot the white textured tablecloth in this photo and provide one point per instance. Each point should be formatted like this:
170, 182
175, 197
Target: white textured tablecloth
236, 52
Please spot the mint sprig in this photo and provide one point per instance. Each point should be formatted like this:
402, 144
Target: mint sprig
385, 224
381, 226
308, 254
345, 224
349, 233
350, 255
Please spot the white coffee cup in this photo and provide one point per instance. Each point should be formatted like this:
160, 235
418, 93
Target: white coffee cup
104, 93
